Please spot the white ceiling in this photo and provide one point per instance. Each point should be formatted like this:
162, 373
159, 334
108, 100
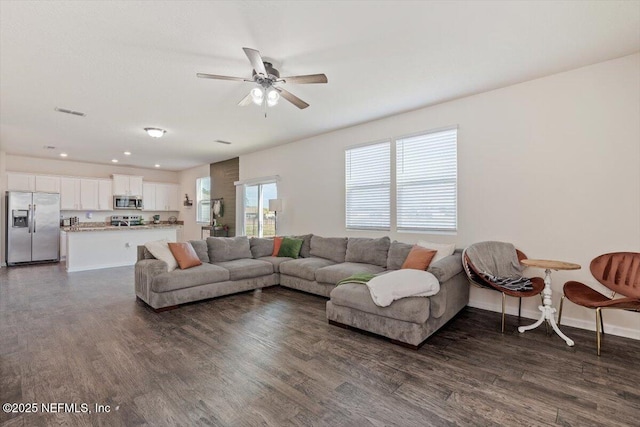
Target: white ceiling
132, 64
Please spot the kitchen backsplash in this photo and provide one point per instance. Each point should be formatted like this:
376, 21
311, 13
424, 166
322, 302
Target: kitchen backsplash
105, 216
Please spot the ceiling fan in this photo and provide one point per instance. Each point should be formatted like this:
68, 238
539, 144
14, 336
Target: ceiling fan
266, 77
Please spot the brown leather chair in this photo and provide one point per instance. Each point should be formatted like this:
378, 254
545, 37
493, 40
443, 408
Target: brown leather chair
476, 278
618, 271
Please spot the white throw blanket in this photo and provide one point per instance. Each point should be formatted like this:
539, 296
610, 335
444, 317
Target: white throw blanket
386, 288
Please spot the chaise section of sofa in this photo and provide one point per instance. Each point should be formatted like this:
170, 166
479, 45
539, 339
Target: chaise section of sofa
409, 321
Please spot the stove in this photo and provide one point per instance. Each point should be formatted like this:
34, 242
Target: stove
126, 220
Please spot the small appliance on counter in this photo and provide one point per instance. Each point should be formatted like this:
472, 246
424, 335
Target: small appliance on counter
73, 221
156, 219
126, 220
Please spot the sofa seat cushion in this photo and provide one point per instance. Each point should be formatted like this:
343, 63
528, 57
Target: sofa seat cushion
356, 296
334, 273
275, 261
304, 268
246, 268
194, 276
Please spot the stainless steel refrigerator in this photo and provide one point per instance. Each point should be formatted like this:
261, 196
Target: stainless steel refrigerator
33, 227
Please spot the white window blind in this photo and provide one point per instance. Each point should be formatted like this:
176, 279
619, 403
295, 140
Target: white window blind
426, 178
368, 186
203, 200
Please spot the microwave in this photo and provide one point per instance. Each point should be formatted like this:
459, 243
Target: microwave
127, 202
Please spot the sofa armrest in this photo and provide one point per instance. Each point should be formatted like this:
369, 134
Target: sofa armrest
145, 271
447, 267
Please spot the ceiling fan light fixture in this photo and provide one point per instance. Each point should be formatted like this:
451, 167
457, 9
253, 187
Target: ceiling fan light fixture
272, 97
257, 95
155, 132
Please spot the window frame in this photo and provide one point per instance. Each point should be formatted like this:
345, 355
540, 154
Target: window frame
389, 183
200, 201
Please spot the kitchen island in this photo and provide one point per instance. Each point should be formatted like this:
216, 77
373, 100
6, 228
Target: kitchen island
92, 248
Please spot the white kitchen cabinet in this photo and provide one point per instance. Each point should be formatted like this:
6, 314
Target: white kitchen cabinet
127, 185
105, 195
173, 202
89, 194
47, 184
21, 182
148, 196
63, 245
157, 196
70, 194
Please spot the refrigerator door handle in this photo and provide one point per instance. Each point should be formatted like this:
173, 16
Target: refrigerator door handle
34, 218
29, 219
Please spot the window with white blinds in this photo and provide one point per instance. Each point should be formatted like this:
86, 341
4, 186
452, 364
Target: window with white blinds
203, 200
368, 186
426, 181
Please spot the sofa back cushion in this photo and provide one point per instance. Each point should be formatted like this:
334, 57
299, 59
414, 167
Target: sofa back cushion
305, 250
261, 247
200, 246
228, 248
368, 251
398, 253
331, 248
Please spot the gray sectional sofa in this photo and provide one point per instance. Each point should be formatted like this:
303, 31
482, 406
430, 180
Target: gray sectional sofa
231, 265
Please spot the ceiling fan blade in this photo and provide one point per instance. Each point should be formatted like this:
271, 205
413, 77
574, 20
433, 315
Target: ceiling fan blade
292, 98
256, 60
311, 78
215, 76
245, 101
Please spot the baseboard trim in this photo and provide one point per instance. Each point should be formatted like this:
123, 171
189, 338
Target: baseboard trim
567, 321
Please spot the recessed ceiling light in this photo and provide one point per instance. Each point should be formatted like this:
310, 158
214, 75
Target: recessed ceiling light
157, 165
155, 132
127, 153
219, 141
114, 160
63, 154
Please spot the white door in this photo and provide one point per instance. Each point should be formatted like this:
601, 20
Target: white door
148, 196
121, 185
105, 195
89, 194
69, 194
162, 197
20, 182
173, 198
135, 186
47, 184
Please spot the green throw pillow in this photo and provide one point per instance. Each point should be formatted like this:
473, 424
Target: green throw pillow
290, 247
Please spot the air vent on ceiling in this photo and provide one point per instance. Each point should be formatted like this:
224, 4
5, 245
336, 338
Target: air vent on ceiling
49, 147
64, 110
219, 141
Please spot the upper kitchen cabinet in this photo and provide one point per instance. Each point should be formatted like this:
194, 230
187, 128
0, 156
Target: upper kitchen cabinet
127, 185
160, 197
29, 182
70, 194
105, 194
85, 194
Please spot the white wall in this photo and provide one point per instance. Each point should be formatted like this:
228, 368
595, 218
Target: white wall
73, 168
552, 165
191, 230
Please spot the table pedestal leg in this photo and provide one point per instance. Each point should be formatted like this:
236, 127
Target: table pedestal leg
547, 312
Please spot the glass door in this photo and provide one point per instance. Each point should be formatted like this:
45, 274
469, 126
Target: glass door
258, 220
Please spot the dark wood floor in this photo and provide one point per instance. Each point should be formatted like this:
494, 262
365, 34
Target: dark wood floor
270, 358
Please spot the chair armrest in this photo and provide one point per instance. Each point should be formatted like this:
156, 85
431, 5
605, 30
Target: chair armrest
447, 267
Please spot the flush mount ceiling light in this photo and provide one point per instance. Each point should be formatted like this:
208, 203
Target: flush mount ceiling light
155, 132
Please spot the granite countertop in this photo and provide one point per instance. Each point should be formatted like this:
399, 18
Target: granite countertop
119, 228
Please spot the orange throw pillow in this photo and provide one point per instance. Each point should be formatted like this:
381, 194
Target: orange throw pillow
419, 258
277, 241
185, 255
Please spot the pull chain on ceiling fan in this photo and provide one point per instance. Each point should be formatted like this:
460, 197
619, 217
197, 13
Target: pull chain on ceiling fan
265, 76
